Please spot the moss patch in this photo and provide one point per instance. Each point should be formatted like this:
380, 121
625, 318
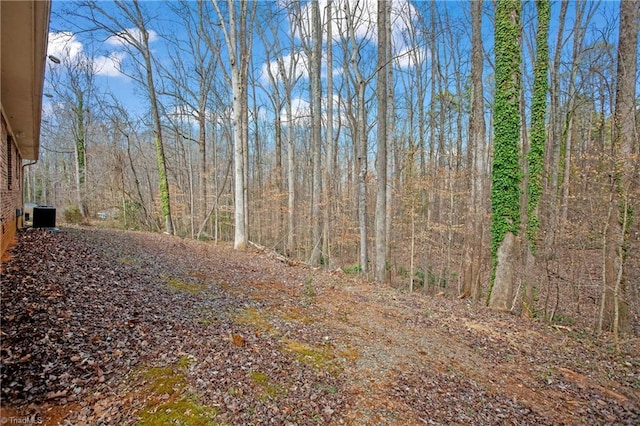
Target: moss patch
186, 286
255, 318
292, 314
349, 354
269, 390
164, 380
168, 402
320, 357
309, 292
206, 317
183, 411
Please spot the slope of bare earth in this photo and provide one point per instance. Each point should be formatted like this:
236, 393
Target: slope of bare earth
111, 327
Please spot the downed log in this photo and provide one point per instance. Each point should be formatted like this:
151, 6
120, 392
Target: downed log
275, 255
584, 382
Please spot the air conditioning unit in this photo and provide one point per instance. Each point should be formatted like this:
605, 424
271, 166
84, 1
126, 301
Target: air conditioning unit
44, 217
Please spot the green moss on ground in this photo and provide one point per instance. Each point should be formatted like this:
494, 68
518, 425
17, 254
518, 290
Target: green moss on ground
169, 402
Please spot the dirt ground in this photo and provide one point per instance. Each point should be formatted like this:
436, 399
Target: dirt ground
111, 327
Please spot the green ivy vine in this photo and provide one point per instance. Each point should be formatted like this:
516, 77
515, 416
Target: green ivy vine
535, 156
506, 173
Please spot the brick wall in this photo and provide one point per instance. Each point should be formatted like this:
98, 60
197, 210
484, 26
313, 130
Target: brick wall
10, 188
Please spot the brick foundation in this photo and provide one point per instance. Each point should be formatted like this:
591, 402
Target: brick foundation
10, 189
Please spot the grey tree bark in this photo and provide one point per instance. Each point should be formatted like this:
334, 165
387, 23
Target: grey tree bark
474, 226
614, 309
381, 153
316, 132
328, 184
238, 40
361, 142
129, 25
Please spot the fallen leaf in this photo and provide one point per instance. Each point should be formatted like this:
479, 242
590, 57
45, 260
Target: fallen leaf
237, 339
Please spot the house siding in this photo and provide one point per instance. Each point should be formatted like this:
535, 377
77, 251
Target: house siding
10, 189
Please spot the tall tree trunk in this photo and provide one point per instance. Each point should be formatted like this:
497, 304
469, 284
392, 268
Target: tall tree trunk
360, 141
475, 212
240, 236
614, 307
431, 198
552, 158
569, 131
287, 75
362, 176
165, 198
202, 163
316, 133
381, 155
279, 178
327, 187
238, 42
535, 156
80, 151
506, 175
390, 136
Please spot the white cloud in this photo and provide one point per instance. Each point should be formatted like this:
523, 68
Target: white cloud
297, 61
363, 14
64, 46
130, 35
109, 66
300, 109
410, 57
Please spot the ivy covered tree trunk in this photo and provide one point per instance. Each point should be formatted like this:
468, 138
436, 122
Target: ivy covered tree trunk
163, 184
535, 156
506, 174
81, 163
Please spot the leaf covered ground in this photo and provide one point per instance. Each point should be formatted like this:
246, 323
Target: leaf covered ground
111, 327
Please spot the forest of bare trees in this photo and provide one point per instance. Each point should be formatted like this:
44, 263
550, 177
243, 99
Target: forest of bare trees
402, 140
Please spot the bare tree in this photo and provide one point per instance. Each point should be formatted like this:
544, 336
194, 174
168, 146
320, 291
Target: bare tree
474, 224
315, 64
190, 81
361, 131
271, 42
381, 156
328, 186
614, 315
238, 38
130, 26
73, 84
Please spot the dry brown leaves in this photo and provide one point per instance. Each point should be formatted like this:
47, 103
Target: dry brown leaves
87, 312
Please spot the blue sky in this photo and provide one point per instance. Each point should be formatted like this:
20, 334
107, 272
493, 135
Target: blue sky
68, 41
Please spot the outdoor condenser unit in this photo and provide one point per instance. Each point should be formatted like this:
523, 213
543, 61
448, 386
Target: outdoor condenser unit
44, 217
